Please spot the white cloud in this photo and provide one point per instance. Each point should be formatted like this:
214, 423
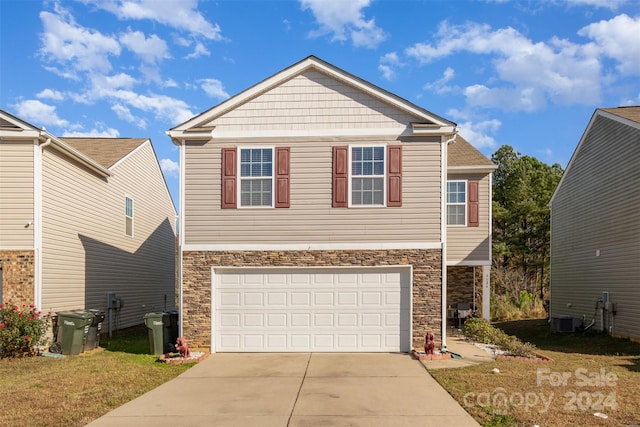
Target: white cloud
101, 131
345, 20
73, 46
39, 113
198, 51
388, 65
561, 71
151, 49
179, 14
213, 88
617, 38
607, 4
440, 86
478, 133
125, 114
169, 167
52, 94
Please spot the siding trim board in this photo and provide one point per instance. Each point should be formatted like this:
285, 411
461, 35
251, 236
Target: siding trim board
312, 246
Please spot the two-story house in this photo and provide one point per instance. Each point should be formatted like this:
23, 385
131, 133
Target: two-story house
320, 212
81, 218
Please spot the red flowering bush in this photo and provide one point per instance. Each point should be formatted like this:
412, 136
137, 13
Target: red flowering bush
21, 329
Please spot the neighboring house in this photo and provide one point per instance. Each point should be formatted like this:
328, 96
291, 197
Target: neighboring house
83, 217
314, 217
595, 228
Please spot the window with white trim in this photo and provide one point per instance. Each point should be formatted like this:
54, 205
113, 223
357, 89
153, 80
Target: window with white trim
456, 202
367, 176
128, 216
256, 177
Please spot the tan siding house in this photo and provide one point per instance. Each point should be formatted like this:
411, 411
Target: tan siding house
314, 217
595, 228
68, 203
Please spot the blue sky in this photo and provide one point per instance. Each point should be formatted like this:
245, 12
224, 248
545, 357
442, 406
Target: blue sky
524, 73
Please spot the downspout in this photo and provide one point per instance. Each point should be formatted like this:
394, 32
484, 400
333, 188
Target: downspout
443, 233
37, 220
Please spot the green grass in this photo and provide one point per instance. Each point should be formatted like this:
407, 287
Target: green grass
582, 357
42, 391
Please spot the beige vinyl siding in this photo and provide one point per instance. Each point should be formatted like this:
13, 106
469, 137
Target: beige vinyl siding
313, 100
472, 244
86, 252
16, 194
596, 209
311, 219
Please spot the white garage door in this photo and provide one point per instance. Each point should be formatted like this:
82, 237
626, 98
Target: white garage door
311, 309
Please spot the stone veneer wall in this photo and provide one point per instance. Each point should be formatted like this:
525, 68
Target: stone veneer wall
460, 286
196, 286
18, 276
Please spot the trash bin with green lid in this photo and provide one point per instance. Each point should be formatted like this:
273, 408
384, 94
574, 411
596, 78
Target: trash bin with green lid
72, 330
158, 340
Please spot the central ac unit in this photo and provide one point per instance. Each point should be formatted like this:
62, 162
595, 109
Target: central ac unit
564, 323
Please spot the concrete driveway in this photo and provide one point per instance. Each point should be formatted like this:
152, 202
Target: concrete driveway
299, 389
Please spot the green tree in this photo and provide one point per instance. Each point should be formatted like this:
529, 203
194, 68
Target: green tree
522, 189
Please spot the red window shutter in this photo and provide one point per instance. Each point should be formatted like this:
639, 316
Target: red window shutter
394, 175
340, 177
473, 204
229, 164
282, 177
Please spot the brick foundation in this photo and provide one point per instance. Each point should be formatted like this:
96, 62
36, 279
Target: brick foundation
460, 286
18, 276
196, 287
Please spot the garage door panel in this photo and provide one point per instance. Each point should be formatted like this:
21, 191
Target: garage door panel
311, 310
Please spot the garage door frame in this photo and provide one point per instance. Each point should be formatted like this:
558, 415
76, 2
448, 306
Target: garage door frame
226, 269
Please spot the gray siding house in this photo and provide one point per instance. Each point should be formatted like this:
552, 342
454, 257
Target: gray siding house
595, 228
81, 217
316, 217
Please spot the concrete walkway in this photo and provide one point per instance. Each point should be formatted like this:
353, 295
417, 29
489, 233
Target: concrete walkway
471, 355
298, 389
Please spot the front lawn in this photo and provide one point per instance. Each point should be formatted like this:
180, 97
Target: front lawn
594, 376
42, 391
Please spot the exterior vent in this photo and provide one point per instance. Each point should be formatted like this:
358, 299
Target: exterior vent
564, 323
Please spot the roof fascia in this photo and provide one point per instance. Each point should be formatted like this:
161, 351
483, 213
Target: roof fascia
69, 151
472, 169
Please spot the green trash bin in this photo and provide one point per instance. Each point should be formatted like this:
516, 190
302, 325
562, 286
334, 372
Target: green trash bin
156, 324
73, 327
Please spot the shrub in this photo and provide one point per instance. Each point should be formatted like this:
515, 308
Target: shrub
21, 330
480, 330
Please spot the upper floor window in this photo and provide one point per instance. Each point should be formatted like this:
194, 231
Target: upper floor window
456, 202
128, 216
368, 176
256, 177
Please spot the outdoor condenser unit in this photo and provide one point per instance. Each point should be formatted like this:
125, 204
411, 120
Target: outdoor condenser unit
564, 323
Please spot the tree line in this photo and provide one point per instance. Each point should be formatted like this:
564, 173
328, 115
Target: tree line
522, 189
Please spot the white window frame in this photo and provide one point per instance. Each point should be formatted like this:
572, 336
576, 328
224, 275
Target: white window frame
383, 176
241, 178
465, 204
126, 216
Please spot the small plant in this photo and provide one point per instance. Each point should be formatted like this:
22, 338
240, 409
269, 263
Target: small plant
21, 330
480, 330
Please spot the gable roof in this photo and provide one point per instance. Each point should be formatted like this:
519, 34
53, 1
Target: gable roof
463, 156
428, 123
629, 116
631, 113
106, 151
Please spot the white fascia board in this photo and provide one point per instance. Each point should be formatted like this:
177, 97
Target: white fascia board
28, 135
311, 246
472, 169
453, 263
